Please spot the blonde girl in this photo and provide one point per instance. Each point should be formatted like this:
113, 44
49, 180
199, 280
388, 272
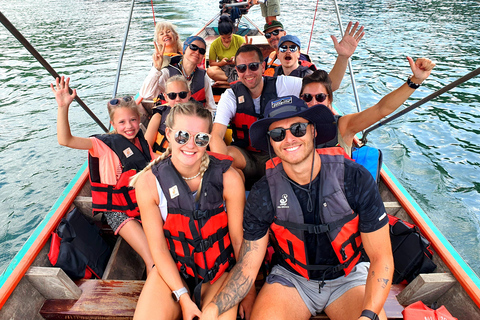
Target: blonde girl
113, 158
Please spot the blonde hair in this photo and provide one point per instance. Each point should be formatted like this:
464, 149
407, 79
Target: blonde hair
183, 109
165, 25
177, 78
125, 102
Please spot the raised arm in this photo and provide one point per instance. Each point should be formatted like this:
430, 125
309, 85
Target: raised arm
345, 49
379, 280
239, 280
64, 99
152, 222
150, 88
351, 124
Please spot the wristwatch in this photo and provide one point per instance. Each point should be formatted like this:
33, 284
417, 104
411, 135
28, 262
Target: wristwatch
369, 314
411, 84
177, 293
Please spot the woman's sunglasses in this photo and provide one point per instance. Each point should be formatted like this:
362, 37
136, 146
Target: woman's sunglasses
173, 95
116, 101
274, 33
201, 139
297, 130
307, 97
194, 47
292, 48
253, 66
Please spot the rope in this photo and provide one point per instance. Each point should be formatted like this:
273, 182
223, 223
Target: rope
313, 23
153, 13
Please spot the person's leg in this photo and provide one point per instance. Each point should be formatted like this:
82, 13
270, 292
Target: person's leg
133, 233
272, 10
209, 291
276, 301
217, 74
155, 301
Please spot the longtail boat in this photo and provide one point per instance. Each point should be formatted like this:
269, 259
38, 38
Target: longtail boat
30, 288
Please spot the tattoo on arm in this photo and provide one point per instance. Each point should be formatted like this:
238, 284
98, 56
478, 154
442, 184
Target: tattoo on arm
384, 282
238, 283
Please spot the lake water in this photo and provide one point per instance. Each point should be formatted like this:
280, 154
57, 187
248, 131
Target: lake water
433, 151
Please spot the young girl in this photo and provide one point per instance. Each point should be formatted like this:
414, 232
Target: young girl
113, 159
192, 236
176, 91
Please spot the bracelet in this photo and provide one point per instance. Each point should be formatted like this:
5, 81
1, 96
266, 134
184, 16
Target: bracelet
412, 84
369, 314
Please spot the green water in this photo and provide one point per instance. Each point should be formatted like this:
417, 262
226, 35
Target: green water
434, 150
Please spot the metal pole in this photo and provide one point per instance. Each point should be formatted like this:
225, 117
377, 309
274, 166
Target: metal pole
352, 77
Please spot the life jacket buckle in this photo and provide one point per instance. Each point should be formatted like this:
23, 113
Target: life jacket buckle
200, 214
205, 244
320, 228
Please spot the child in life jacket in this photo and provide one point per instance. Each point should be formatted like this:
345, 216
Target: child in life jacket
192, 209
177, 90
113, 159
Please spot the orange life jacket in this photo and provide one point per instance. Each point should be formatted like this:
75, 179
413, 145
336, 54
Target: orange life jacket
119, 197
339, 221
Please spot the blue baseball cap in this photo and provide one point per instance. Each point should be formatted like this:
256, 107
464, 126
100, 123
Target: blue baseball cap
190, 39
289, 107
290, 38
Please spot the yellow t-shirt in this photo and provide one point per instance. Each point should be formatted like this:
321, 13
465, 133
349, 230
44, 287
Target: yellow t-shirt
218, 51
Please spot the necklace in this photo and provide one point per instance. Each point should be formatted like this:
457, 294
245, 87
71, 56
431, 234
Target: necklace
191, 178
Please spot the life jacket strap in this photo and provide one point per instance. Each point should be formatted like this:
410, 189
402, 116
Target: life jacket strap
315, 228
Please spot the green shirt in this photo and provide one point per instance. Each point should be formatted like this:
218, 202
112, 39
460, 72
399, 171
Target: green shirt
218, 51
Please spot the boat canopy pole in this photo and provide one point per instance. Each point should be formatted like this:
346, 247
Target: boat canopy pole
424, 100
352, 77
119, 67
10, 27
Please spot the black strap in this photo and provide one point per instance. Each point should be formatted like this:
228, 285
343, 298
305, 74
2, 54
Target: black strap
369, 314
315, 228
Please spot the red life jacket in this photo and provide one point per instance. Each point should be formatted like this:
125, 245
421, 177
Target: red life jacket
245, 115
197, 85
119, 197
339, 221
197, 233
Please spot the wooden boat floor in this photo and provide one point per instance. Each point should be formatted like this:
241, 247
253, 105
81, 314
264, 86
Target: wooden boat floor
116, 299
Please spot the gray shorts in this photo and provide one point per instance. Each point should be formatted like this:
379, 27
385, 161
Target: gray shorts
255, 163
230, 72
308, 289
270, 8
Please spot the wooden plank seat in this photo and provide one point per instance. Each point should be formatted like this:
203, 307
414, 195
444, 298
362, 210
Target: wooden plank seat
100, 299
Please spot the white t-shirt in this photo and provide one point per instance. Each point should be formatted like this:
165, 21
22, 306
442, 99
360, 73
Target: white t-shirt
154, 84
227, 106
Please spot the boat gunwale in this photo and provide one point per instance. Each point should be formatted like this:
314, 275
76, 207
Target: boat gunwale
39, 237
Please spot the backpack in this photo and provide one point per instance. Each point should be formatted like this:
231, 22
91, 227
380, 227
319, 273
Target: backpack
412, 254
77, 247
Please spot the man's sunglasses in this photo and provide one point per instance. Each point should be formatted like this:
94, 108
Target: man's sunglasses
173, 95
274, 33
297, 130
201, 139
194, 47
253, 66
116, 101
307, 97
292, 47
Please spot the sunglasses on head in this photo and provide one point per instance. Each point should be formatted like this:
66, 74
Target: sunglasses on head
297, 130
273, 33
307, 97
194, 47
253, 66
292, 48
173, 95
201, 139
116, 101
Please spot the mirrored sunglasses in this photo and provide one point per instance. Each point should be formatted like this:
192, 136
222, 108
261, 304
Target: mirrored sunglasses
194, 47
116, 101
292, 48
173, 95
253, 66
273, 33
201, 139
307, 97
297, 130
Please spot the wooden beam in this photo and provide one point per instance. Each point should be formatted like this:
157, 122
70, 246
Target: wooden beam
428, 288
53, 283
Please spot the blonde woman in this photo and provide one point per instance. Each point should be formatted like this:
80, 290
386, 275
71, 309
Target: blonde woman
192, 217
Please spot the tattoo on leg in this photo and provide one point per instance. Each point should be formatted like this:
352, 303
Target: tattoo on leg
238, 284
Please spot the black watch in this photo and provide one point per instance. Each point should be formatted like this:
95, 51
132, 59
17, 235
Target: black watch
369, 314
412, 84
